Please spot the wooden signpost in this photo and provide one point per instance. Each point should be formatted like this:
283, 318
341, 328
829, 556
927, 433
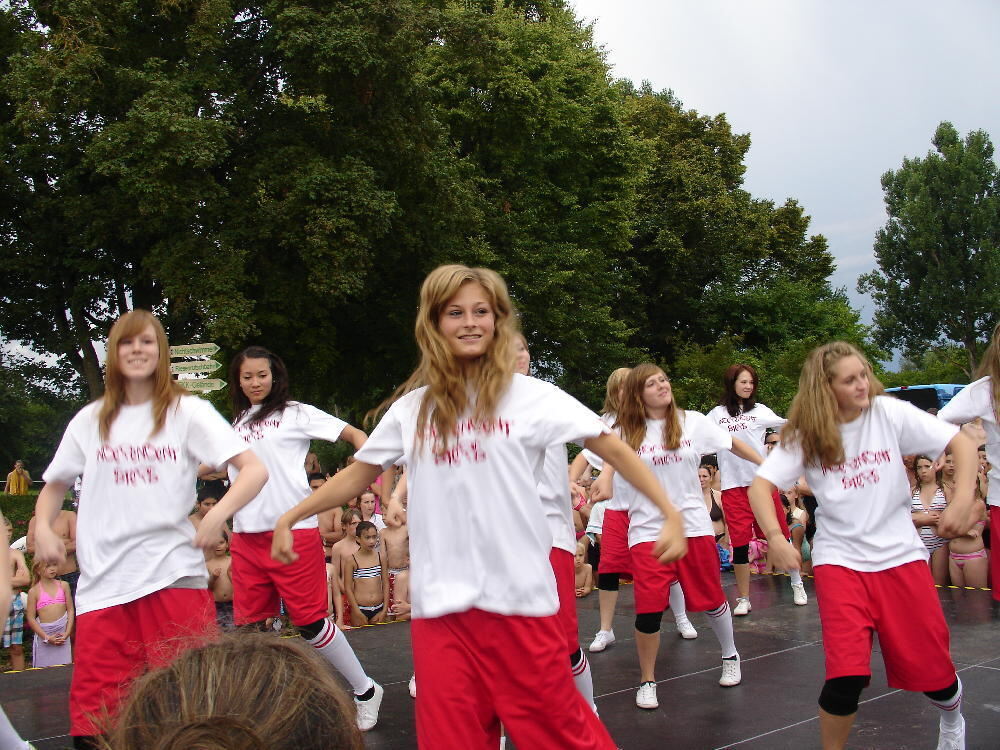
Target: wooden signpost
199, 366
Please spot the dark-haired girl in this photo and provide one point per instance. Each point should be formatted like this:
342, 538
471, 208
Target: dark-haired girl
742, 417
928, 502
280, 430
366, 579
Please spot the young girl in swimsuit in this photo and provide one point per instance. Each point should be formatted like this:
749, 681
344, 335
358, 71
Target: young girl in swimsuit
471, 434
928, 503
365, 578
50, 615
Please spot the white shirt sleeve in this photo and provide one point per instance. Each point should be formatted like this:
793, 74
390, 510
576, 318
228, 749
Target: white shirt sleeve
972, 401
706, 436
385, 445
69, 460
917, 431
767, 417
210, 439
783, 466
562, 419
316, 424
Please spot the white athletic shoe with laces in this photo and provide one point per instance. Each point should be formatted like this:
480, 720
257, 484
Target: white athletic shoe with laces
602, 640
731, 675
413, 686
368, 710
686, 630
742, 607
799, 594
646, 697
952, 739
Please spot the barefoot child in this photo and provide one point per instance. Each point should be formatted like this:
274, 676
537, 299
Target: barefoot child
968, 563
584, 571
220, 581
396, 545
50, 615
366, 580
349, 520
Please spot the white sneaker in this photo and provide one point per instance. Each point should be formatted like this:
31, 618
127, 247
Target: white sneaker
368, 710
952, 739
799, 594
646, 697
413, 686
731, 675
602, 640
742, 607
686, 630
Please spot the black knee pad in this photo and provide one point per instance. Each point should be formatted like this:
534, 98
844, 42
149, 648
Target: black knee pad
741, 555
648, 622
840, 695
607, 581
311, 630
575, 658
943, 696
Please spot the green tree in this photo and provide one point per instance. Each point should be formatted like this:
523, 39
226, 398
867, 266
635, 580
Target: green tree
938, 275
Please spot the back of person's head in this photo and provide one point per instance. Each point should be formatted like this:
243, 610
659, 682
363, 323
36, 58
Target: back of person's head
613, 390
247, 691
315, 476
214, 490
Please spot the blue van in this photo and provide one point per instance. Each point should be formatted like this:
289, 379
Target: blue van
926, 396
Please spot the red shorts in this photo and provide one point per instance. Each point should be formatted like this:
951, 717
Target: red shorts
259, 581
698, 573
901, 605
476, 669
995, 552
564, 566
115, 645
614, 543
740, 523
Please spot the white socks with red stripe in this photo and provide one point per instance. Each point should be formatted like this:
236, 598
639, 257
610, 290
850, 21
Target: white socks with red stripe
796, 576
677, 603
11, 740
721, 620
951, 710
333, 646
582, 678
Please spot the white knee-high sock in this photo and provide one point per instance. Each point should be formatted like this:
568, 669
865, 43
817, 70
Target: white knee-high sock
333, 646
796, 576
721, 621
951, 709
582, 678
677, 604
11, 740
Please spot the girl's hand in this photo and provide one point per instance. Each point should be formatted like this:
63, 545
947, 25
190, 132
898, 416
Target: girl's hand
282, 547
672, 544
208, 534
782, 555
601, 489
380, 617
49, 546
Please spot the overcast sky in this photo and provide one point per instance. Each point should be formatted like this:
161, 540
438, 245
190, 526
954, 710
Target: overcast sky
833, 94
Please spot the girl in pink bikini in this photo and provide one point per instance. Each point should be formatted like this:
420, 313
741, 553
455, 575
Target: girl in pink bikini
50, 615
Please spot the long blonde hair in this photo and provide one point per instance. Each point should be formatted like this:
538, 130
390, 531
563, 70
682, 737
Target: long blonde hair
990, 365
165, 388
448, 393
632, 411
812, 418
612, 394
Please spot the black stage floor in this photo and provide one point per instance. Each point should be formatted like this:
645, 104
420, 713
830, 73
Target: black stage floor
774, 708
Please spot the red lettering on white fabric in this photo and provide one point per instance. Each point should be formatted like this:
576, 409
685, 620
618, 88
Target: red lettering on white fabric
251, 433
471, 448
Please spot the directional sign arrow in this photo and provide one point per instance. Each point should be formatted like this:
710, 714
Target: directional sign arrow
206, 385
204, 365
194, 350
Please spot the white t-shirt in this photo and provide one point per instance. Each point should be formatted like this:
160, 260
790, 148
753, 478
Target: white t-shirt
478, 536
592, 458
555, 493
976, 400
677, 471
133, 533
863, 517
750, 427
281, 441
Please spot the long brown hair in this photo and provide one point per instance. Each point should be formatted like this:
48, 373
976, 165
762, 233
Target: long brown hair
275, 402
812, 417
249, 691
990, 365
733, 403
613, 390
448, 394
632, 411
165, 388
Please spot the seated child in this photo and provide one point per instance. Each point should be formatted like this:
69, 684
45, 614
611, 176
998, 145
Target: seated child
13, 629
247, 691
220, 581
208, 497
365, 579
584, 572
396, 545
50, 615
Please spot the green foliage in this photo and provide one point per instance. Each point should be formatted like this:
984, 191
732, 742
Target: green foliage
944, 364
938, 276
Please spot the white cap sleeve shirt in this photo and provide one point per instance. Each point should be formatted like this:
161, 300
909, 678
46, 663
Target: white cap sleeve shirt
133, 533
677, 472
863, 517
478, 534
750, 427
592, 458
976, 400
281, 441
